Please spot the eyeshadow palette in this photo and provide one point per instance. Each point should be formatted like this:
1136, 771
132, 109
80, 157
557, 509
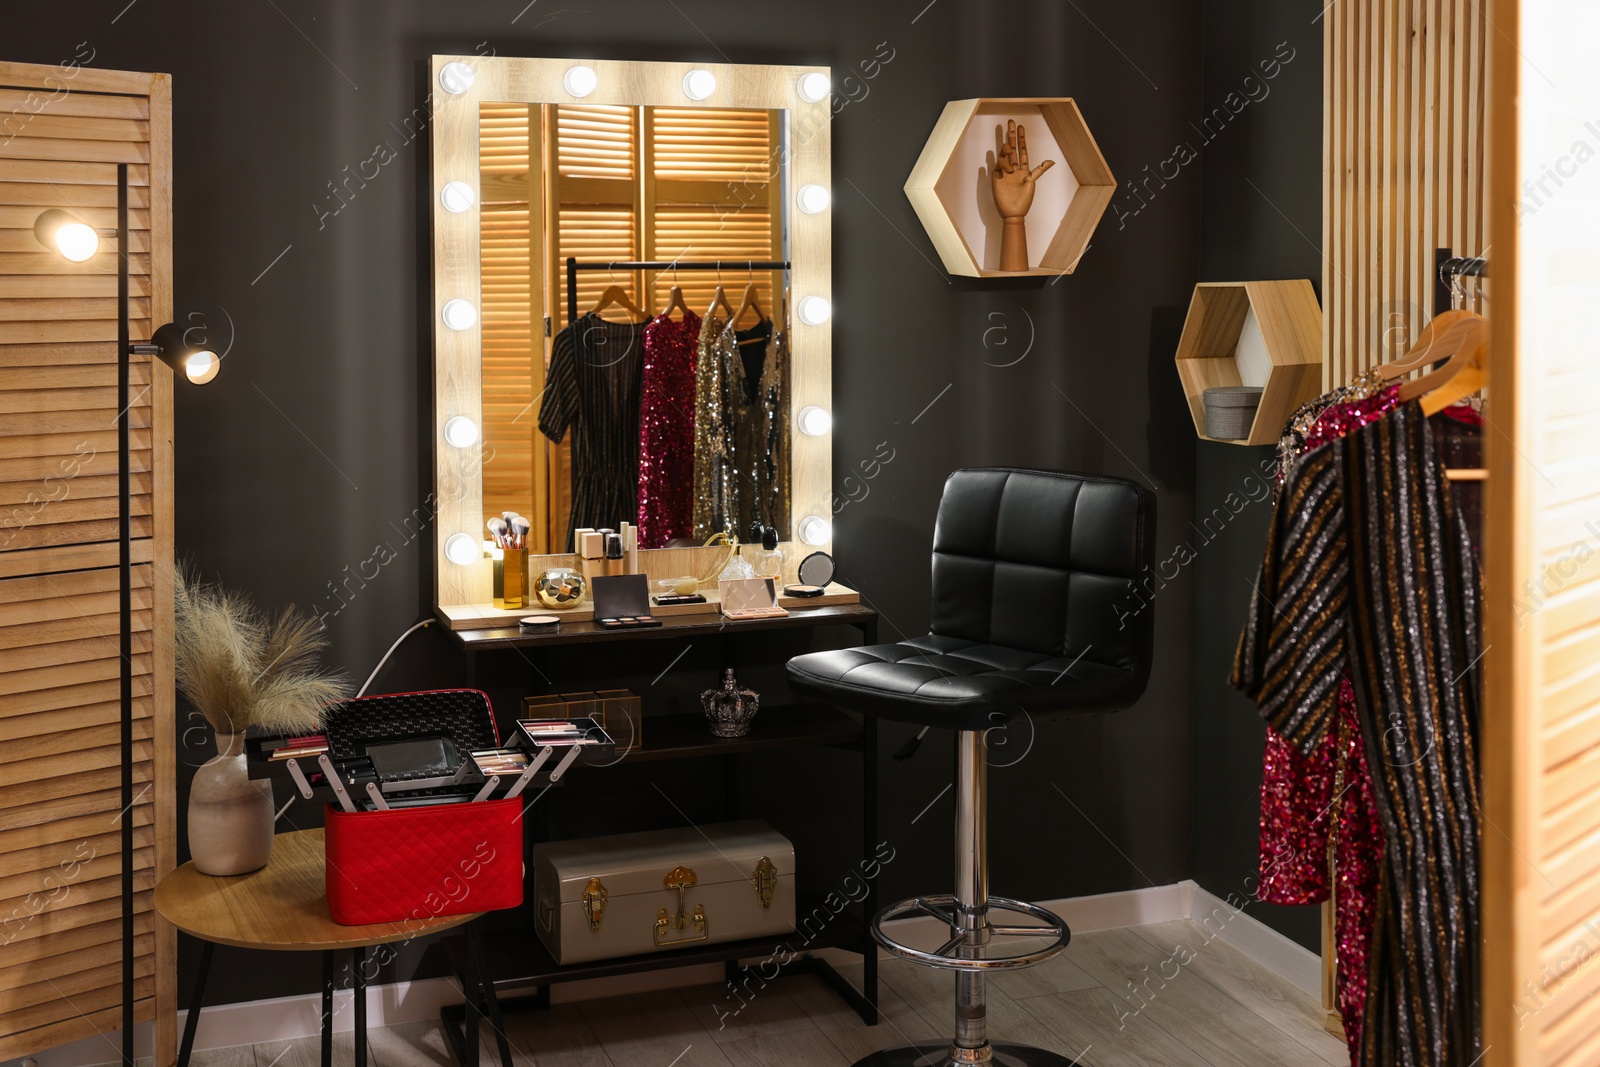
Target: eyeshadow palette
749, 598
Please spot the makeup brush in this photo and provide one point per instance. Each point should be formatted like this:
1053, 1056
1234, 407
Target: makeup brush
497, 530
519, 531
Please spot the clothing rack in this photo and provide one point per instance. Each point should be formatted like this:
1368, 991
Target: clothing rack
573, 267
1446, 268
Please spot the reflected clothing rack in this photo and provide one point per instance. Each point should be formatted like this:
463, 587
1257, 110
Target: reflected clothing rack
1447, 267
574, 266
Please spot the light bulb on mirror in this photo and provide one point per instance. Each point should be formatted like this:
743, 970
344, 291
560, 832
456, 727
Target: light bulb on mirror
580, 81
456, 78
462, 549
812, 199
813, 87
699, 84
459, 314
815, 310
460, 431
816, 530
456, 197
66, 234
814, 421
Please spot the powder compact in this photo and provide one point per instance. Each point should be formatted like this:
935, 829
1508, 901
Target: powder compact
816, 573
539, 624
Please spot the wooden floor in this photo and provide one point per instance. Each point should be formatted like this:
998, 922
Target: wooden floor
1199, 1003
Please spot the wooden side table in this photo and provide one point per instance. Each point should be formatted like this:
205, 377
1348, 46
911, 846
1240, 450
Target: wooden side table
284, 907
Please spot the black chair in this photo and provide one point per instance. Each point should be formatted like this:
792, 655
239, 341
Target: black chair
1033, 614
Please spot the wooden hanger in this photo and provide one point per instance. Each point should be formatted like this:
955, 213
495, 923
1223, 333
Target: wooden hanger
751, 300
1431, 345
675, 300
618, 296
720, 297
1465, 373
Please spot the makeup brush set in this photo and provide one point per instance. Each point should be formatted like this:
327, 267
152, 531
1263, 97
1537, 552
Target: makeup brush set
510, 530
424, 801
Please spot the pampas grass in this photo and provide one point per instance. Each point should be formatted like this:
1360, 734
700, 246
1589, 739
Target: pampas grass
243, 668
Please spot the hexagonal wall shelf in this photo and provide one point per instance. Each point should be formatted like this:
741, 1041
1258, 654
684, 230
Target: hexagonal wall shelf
949, 186
1253, 333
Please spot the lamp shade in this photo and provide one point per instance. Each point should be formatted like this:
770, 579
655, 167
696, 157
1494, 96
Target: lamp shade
195, 362
66, 234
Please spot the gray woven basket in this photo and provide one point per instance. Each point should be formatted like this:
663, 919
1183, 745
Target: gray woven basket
1230, 411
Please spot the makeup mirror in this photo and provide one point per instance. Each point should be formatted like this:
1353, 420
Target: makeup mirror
816, 570
573, 203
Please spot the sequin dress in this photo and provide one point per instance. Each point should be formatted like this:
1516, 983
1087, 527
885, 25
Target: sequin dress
666, 430
1318, 806
1369, 585
741, 438
715, 370
592, 387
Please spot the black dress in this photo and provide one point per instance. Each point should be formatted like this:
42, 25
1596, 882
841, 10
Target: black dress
1368, 564
593, 386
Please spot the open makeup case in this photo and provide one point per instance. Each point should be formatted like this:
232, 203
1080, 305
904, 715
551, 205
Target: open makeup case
424, 802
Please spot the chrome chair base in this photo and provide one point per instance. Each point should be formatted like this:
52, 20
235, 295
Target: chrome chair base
968, 950
945, 1056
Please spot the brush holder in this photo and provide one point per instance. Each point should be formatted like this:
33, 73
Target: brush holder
511, 579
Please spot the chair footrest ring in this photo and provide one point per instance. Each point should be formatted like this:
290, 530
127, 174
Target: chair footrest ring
970, 950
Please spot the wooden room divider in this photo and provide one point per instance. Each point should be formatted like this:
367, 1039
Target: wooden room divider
63, 130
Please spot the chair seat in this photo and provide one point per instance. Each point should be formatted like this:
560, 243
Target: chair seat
958, 684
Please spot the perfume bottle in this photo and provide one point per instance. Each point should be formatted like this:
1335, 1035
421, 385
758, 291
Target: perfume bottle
769, 561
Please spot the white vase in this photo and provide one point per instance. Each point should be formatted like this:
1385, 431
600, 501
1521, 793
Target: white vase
230, 816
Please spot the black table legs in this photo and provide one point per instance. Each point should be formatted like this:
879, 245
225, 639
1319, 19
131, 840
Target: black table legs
360, 992
478, 1003
327, 1008
189, 1025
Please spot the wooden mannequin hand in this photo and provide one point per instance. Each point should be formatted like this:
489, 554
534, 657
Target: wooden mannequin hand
1013, 184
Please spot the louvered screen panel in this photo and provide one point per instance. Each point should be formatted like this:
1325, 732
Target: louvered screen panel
716, 181
511, 358
61, 135
596, 141
596, 197
1541, 723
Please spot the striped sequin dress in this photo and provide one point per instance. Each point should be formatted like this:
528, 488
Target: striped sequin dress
1369, 577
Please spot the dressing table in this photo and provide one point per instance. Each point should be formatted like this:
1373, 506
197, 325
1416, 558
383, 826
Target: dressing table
571, 200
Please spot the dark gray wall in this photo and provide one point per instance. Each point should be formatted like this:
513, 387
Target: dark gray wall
1261, 217
306, 453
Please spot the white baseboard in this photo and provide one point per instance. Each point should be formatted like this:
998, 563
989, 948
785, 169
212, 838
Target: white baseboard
1290, 961
288, 1018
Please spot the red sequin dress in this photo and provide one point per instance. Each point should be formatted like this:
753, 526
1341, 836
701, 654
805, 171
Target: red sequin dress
666, 430
1320, 807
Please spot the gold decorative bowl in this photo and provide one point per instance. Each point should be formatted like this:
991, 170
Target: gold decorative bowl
559, 588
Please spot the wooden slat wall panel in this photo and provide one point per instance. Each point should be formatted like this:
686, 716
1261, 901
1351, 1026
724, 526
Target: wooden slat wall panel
1404, 129
513, 350
60, 803
1404, 139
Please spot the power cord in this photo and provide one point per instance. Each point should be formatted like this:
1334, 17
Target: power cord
362, 691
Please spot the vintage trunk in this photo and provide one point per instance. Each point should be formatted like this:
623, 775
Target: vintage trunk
630, 894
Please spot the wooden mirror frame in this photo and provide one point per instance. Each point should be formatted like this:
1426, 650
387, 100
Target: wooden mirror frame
457, 354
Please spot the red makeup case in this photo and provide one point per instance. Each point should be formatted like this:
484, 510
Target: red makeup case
421, 862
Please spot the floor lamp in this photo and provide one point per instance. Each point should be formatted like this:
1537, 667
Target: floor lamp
60, 231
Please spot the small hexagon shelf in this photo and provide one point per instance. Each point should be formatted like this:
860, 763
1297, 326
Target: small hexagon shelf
949, 186
1253, 333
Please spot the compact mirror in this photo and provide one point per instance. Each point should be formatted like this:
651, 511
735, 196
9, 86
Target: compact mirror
816, 569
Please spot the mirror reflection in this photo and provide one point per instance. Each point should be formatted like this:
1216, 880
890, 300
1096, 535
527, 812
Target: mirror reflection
655, 390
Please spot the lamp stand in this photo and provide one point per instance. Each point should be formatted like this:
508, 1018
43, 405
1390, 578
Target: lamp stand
125, 564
